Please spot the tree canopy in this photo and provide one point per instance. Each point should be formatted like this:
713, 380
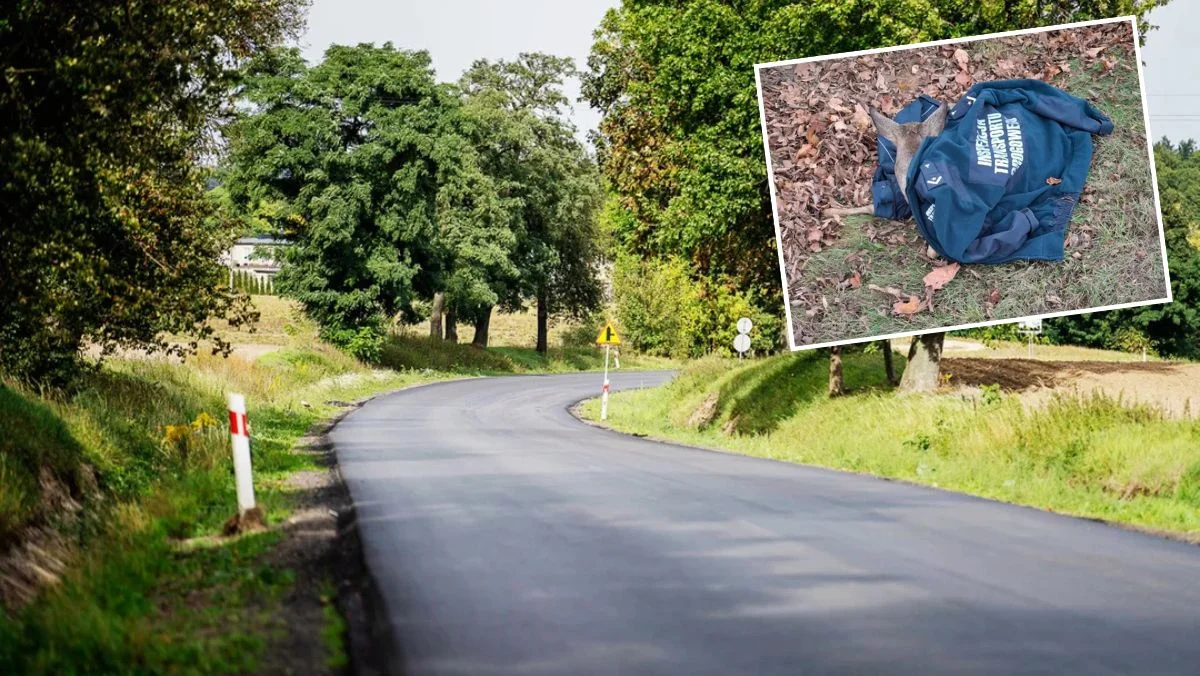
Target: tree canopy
355, 147
396, 188
109, 110
680, 143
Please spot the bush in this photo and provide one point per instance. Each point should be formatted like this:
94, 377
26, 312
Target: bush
404, 351
663, 311
364, 343
658, 305
583, 334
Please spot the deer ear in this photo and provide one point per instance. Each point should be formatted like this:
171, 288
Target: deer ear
935, 123
885, 126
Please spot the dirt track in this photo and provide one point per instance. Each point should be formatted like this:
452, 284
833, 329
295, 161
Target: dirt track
1173, 387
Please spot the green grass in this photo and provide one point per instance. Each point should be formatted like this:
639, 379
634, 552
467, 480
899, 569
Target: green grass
1115, 226
333, 631
135, 605
409, 351
132, 599
124, 446
1089, 456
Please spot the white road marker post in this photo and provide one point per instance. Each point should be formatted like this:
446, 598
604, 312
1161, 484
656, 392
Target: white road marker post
608, 337
604, 392
240, 436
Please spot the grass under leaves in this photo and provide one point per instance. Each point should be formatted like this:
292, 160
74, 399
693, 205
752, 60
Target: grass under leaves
1114, 231
1089, 456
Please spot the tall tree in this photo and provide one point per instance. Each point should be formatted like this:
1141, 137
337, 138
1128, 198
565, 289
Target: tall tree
680, 142
108, 109
530, 148
358, 150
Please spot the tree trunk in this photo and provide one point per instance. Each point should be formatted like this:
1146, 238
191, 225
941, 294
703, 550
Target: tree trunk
481, 327
888, 364
451, 326
543, 320
435, 315
836, 384
924, 363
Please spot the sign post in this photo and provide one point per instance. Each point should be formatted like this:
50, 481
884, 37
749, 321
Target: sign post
608, 337
240, 436
1031, 328
741, 342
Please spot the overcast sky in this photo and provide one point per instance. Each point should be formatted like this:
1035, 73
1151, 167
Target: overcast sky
456, 32
1172, 55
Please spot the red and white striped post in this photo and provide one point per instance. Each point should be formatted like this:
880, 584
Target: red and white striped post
604, 392
240, 436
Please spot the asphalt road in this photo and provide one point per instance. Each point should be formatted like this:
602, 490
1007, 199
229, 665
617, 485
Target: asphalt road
509, 538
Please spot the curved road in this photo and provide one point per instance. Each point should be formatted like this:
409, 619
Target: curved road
506, 537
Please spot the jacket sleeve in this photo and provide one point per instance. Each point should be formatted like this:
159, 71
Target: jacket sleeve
1052, 103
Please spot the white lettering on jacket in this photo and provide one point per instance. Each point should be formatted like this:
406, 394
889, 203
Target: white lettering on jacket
999, 144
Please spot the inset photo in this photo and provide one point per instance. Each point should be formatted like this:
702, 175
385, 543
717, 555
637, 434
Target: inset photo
962, 183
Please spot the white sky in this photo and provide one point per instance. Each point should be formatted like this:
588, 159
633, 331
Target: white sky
456, 32
1172, 56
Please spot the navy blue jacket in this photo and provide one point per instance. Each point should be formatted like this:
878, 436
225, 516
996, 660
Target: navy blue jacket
1000, 182
885, 190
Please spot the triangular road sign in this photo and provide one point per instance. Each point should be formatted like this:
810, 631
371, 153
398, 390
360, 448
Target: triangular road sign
608, 335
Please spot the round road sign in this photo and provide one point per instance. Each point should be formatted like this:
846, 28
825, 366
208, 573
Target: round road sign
742, 342
744, 325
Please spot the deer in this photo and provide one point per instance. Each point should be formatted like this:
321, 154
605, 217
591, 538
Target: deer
907, 138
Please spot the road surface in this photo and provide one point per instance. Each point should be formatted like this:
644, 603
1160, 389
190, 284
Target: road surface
506, 537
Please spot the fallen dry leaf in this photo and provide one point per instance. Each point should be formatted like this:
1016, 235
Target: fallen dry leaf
907, 308
939, 277
823, 146
989, 303
855, 280
1053, 181
960, 55
861, 119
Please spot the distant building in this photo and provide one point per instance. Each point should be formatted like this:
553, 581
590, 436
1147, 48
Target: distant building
258, 256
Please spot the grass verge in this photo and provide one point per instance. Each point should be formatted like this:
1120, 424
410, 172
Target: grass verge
126, 480
111, 499
1085, 455
407, 351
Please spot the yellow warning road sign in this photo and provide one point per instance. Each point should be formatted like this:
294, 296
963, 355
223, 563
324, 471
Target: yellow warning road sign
608, 336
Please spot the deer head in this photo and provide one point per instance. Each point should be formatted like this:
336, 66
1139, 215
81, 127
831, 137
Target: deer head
907, 137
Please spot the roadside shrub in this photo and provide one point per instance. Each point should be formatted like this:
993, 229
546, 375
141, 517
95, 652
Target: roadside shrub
405, 351
658, 305
990, 394
1000, 333
583, 333
364, 343
663, 311
1129, 339
722, 305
